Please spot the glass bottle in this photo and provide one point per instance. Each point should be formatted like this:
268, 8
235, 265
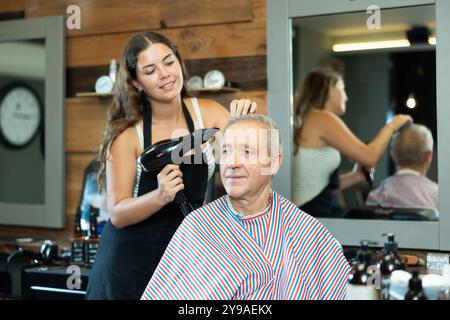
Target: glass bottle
78, 241
358, 286
388, 261
92, 240
113, 70
415, 291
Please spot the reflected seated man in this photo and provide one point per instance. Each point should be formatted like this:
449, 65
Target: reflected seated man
412, 152
251, 243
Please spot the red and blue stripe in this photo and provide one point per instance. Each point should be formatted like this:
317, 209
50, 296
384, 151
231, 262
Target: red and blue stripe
282, 253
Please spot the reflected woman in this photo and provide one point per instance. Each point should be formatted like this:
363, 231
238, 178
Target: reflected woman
320, 137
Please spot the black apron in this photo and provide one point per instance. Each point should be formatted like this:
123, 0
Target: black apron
321, 205
127, 257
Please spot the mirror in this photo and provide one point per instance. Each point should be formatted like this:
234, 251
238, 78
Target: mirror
22, 75
31, 122
383, 70
367, 73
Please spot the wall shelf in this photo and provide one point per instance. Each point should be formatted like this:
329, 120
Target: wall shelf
193, 91
93, 94
218, 90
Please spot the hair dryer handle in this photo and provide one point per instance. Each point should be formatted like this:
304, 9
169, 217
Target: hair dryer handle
369, 178
185, 206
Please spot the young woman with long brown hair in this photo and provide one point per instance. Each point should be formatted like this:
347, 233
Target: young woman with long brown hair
150, 105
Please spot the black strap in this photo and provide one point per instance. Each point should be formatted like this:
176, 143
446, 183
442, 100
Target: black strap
148, 122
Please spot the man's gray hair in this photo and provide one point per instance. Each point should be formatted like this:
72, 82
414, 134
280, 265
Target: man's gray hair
273, 131
411, 144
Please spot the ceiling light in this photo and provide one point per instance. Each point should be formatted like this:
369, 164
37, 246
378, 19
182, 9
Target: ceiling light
342, 47
411, 102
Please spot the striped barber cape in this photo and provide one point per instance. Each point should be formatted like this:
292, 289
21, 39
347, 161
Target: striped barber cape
283, 253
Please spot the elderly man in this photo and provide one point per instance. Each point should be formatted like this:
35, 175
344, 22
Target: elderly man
252, 243
412, 151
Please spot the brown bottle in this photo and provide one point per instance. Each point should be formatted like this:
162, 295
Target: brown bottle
78, 241
358, 274
92, 240
390, 260
358, 287
415, 291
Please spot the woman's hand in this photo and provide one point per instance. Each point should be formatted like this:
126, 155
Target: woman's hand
242, 106
358, 171
169, 183
399, 121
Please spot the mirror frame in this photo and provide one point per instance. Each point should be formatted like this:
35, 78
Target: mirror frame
50, 214
409, 234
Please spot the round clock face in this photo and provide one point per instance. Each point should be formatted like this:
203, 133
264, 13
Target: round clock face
20, 116
104, 85
195, 82
214, 79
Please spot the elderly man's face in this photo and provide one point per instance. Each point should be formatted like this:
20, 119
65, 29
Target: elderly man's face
245, 163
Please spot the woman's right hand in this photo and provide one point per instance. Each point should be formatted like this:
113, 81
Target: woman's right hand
399, 121
169, 182
242, 106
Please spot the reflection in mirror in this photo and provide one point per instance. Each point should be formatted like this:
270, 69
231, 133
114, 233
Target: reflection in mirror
386, 72
22, 101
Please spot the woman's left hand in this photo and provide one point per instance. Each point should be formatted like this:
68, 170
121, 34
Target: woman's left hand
358, 171
242, 106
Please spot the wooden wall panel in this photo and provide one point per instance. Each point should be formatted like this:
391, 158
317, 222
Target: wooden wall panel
219, 41
12, 6
85, 123
259, 10
101, 17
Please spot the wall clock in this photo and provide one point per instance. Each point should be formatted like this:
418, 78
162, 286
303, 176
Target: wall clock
20, 115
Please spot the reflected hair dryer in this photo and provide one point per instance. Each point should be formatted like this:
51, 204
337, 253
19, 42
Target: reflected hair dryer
171, 151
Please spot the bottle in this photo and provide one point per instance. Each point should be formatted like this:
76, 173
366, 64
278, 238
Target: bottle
78, 241
92, 240
113, 70
444, 293
388, 261
415, 291
358, 286
363, 254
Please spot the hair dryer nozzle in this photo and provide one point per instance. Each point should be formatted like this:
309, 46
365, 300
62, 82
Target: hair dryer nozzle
171, 151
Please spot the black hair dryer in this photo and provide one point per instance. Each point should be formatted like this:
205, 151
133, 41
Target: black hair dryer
48, 252
172, 151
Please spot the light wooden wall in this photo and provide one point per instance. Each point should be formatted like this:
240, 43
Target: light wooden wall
228, 35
